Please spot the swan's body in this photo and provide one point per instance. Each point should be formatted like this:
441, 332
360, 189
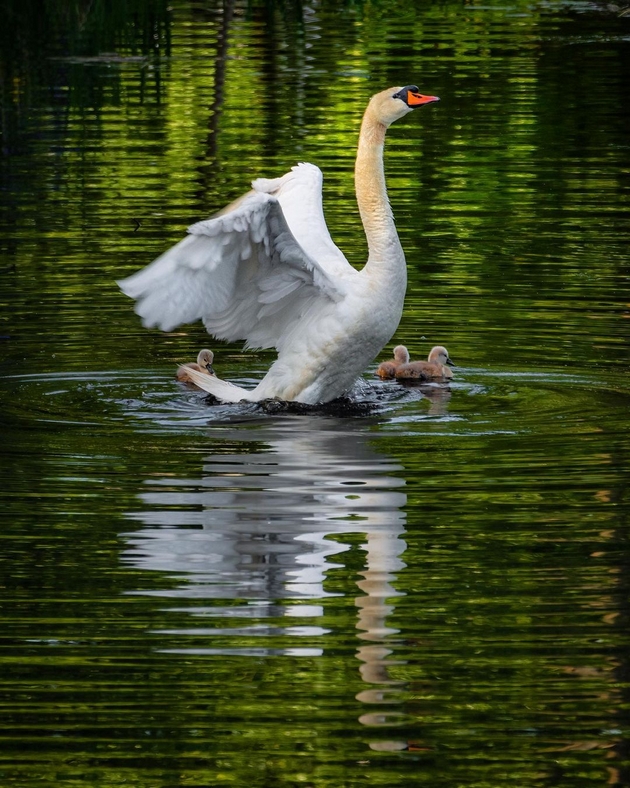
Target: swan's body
434, 369
266, 270
387, 369
203, 365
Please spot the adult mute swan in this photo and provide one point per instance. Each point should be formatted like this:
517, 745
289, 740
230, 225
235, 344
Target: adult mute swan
387, 369
266, 270
432, 369
203, 365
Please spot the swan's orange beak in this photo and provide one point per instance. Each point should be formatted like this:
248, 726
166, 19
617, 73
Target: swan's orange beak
413, 98
416, 99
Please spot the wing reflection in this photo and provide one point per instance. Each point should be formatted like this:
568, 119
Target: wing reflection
262, 525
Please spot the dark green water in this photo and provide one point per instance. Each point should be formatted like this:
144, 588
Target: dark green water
430, 591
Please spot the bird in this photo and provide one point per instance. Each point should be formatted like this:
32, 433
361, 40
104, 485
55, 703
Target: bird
266, 270
387, 369
433, 369
203, 365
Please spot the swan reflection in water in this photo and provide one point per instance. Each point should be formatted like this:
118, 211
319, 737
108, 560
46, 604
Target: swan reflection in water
256, 526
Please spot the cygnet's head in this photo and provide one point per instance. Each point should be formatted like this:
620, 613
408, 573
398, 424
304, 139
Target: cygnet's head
401, 354
394, 103
439, 355
205, 359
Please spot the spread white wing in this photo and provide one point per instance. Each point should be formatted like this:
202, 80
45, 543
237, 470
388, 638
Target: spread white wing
244, 272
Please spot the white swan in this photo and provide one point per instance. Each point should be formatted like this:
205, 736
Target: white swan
266, 270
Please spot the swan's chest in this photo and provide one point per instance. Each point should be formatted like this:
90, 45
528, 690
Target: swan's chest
376, 313
331, 346
342, 348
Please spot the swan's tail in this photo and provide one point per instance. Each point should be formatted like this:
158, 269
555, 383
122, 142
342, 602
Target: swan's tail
221, 389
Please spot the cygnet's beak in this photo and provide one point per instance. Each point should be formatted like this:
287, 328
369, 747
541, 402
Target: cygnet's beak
450, 363
210, 369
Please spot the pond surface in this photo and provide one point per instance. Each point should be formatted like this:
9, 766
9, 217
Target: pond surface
424, 586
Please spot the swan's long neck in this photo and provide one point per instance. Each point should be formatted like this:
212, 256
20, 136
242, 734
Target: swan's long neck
386, 253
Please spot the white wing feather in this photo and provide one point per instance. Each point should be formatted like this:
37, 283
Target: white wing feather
243, 272
223, 389
299, 193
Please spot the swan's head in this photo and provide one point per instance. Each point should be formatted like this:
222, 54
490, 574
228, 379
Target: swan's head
401, 354
395, 103
205, 359
439, 355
